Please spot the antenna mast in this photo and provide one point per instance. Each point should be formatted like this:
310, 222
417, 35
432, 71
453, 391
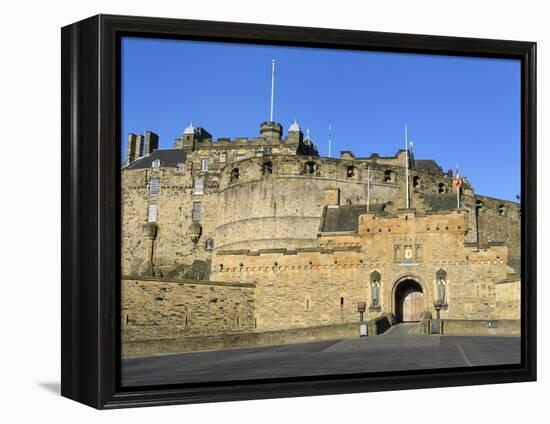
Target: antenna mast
406, 169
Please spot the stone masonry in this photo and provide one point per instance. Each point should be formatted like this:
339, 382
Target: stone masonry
284, 238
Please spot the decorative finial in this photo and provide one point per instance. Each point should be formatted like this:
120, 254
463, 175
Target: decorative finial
294, 126
190, 129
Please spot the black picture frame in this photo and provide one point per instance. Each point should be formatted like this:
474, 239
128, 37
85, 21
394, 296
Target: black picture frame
91, 210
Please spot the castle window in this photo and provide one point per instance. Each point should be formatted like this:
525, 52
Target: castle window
267, 151
239, 158
152, 213
209, 244
350, 173
341, 302
181, 167
501, 210
389, 176
479, 204
155, 165
198, 188
416, 181
441, 188
267, 168
310, 168
259, 153
196, 215
155, 186
204, 164
223, 157
234, 175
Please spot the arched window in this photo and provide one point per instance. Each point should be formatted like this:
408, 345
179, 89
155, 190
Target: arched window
388, 177
441, 188
209, 245
416, 181
351, 172
234, 175
310, 167
267, 168
375, 277
479, 204
501, 210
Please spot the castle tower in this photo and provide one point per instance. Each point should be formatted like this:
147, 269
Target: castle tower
295, 134
271, 130
190, 136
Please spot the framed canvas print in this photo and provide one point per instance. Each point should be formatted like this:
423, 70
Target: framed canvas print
255, 211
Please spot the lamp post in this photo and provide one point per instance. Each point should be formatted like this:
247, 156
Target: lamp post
361, 308
438, 304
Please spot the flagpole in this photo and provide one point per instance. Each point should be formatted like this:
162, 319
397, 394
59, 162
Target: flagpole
368, 188
329, 140
272, 89
406, 169
457, 189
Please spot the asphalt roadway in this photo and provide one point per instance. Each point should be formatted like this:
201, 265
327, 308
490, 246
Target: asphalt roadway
400, 349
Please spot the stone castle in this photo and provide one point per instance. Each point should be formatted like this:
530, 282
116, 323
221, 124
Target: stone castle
253, 241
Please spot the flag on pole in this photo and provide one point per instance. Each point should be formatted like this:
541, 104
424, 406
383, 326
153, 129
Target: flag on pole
458, 179
457, 182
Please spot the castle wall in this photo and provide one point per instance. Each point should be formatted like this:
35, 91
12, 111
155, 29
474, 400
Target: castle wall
172, 246
508, 299
320, 286
496, 227
285, 208
153, 309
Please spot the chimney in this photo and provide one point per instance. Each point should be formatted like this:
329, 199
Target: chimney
151, 143
138, 152
131, 149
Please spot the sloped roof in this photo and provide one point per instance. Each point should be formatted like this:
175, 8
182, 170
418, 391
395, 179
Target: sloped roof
167, 157
428, 165
440, 201
346, 217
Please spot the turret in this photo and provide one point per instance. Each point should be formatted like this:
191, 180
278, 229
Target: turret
307, 146
271, 130
295, 134
191, 135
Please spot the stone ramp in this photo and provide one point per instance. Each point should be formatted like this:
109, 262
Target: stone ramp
404, 329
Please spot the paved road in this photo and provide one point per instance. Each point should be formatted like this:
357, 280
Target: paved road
401, 348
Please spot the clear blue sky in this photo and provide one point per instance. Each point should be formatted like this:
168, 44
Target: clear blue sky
458, 110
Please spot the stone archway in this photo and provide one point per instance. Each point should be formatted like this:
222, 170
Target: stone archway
409, 300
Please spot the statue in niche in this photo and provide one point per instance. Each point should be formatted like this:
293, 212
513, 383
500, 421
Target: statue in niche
397, 252
441, 280
418, 251
375, 289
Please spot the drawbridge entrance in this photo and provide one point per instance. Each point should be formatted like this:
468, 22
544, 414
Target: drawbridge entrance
409, 301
